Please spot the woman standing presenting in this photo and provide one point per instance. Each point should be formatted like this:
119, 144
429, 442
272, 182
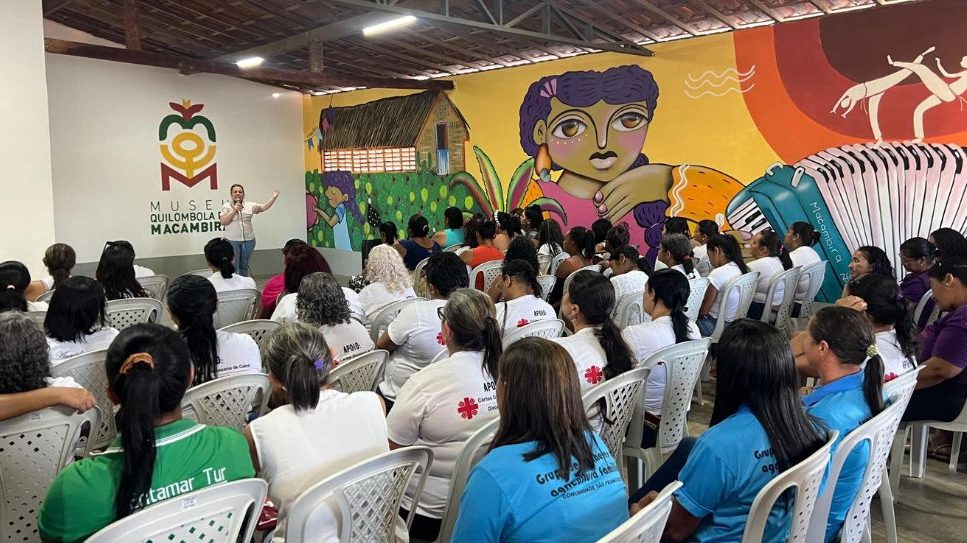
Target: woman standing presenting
236, 217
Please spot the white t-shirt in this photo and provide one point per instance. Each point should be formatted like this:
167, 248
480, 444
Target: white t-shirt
440, 407
62, 382
633, 281
141, 271
286, 309
719, 278
37, 306
100, 339
768, 267
803, 256
647, 338
588, 356
700, 256
523, 311
894, 361
347, 339
235, 282
296, 449
240, 229
48, 281
238, 354
376, 295
416, 331
550, 249
681, 269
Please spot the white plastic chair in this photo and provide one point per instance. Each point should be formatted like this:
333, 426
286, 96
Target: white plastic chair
359, 373
87, 370
221, 513
442, 355
547, 283
696, 295
556, 263
813, 274
806, 478
227, 401
629, 310
789, 279
155, 285
621, 395
567, 283
548, 329
37, 316
543, 263
259, 329
683, 363
918, 448
130, 311
745, 285
878, 433
474, 449
381, 319
45, 297
647, 525
921, 307
490, 272
366, 497
235, 306
203, 272
419, 282
452, 248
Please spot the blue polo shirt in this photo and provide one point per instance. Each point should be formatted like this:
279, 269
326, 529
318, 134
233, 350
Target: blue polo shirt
508, 499
841, 406
726, 469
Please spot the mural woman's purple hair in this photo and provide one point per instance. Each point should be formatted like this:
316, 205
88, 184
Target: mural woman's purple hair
344, 182
620, 85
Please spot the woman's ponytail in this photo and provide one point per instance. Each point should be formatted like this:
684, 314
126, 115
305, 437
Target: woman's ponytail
616, 351
873, 381
594, 295
220, 254
192, 301
492, 346
140, 408
672, 290
850, 337
521, 270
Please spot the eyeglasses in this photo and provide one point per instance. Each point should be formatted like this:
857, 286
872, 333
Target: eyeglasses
441, 313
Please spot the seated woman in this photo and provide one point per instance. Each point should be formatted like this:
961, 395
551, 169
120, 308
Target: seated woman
770, 260
949, 243
117, 272
508, 229
520, 249
453, 233
665, 297
916, 256
892, 321
799, 241
14, 282
550, 239
59, 259
759, 429
470, 241
869, 259
520, 296
485, 251
192, 302
24, 357
389, 280
531, 222
275, 287
292, 446
626, 274
617, 236
419, 245
321, 302
841, 349
465, 384
543, 430
75, 321
706, 229
942, 383
221, 259
300, 262
676, 253
726, 258
148, 370
579, 245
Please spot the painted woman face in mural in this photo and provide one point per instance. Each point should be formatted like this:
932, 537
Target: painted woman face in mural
335, 196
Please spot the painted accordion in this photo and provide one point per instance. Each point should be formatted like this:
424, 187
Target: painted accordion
859, 195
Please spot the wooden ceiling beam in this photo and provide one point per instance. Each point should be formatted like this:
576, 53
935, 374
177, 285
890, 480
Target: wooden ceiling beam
715, 13
453, 48
132, 24
143, 58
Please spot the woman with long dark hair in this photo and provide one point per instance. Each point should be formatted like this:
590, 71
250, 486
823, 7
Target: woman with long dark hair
869, 259
519, 296
727, 263
117, 272
419, 245
759, 429
892, 321
446, 402
770, 260
627, 275
949, 243
544, 442
531, 221
275, 287
486, 250
14, 282
579, 244
916, 256
508, 229
550, 240
157, 455
221, 257
75, 322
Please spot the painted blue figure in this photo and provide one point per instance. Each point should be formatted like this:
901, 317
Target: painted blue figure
341, 194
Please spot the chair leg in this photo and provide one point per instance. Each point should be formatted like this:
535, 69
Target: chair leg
955, 452
887, 507
918, 451
896, 458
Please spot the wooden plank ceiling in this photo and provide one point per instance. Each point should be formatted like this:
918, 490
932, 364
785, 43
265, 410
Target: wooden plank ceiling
457, 36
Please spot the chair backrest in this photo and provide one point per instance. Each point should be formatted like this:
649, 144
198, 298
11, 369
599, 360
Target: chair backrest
745, 285
647, 525
629, 309
259, 329
547, 283
235, 306
155, 285
548, 329
45, 297
814, 274
904, 383
419, 282
567, 281
203, 272
543, 263
227, 401
683, 365
33, 449
696, 295
806, 478
130, 311
380, 321
221, 513
452, 248
556, 263
37, 316
917, 313
87, 370
621, 395
359, 373
789, 280
489, 270
473, 450
878, 432
367, 497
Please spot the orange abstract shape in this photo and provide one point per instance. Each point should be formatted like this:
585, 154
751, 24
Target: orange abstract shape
699, 193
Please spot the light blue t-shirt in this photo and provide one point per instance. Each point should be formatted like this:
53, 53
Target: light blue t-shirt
726, 469
510, 500
840, 405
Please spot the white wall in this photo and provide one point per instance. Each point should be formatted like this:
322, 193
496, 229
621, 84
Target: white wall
104, 119
26, 209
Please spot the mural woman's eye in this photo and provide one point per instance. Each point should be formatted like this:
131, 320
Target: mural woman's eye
569, 128
628, 121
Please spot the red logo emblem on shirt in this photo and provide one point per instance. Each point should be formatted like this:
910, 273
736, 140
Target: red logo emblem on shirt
889, 377
439, 338
468, 408
334, 363
593, 375
522, 322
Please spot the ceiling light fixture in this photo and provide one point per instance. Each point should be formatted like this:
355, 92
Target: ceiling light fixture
392, 24
250, 62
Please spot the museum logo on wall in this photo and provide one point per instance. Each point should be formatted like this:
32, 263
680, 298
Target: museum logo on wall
187, 142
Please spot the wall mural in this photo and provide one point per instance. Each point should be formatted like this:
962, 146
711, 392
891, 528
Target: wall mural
883, 164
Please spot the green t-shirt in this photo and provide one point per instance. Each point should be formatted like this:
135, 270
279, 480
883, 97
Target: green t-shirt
190, 456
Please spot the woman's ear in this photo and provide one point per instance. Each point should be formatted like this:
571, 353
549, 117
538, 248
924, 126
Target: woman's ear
540, 129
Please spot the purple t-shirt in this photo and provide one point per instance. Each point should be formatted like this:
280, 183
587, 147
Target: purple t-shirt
914, 286
945, 339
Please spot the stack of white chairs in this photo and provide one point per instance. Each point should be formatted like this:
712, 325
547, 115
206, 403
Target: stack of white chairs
227, 401
130, 311
621, 395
